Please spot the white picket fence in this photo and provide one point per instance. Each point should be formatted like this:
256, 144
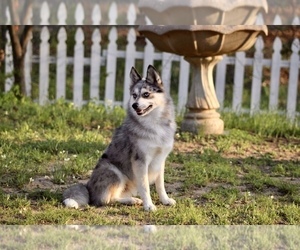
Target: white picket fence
108, 58
52, 13
70, 12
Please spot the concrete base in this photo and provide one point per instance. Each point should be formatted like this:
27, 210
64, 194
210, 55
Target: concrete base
203, 122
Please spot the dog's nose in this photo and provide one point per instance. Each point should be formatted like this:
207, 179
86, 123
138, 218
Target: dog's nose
135, 105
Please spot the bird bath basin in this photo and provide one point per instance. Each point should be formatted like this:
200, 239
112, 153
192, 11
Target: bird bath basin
202, 46
202, 12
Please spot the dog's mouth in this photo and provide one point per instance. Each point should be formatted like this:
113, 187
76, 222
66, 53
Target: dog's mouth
143, 111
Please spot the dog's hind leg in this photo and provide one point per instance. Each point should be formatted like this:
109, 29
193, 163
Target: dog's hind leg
127, 195
116, 194
105, 185
129, 200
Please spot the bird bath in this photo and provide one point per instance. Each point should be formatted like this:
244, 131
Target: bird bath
202, 46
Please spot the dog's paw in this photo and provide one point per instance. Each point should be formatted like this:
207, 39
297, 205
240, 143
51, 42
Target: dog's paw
169, 202
150, 207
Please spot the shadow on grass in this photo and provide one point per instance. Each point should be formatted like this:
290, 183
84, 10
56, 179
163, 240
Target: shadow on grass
60, 161
45, 195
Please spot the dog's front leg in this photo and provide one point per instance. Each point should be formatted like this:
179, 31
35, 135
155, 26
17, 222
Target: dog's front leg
160, 188
140, 170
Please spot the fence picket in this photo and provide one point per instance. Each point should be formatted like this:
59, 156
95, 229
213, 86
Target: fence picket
238, 86
130, 53
62, 14
257, 75
275, 74
277, 20
148, 56
44, 66
259, 19
79, 14
28, 19
45, 13
184, 73
293, 80
28, 66
111, 61
131, 15
78, 68
129, 62
166, 70
113, 14
296, 21
220, 80
9, 67
95, 65
61, 63
8, 17
96, 15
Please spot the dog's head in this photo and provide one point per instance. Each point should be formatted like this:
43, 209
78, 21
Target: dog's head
146, 94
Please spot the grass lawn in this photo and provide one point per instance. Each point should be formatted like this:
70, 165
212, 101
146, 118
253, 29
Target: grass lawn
250, 175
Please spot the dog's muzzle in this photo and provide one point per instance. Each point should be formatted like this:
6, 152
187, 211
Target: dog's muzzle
140, 111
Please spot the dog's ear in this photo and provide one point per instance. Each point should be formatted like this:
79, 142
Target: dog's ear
134, 76
153, 76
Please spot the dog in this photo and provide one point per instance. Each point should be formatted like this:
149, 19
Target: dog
136, 156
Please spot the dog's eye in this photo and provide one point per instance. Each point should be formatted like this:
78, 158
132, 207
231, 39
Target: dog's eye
134, 96
146, 94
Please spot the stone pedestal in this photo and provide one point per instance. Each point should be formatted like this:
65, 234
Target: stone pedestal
201, 115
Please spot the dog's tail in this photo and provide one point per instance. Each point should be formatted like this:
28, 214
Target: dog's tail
76, 196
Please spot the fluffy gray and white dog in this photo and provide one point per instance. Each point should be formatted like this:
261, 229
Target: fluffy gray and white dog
136, 156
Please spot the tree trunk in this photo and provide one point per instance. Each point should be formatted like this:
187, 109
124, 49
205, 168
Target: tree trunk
19, 74
20, 36
2, 56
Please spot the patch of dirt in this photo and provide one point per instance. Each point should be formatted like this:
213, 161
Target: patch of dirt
187, 147
174, 188
275, 149
289, 180
43, 183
